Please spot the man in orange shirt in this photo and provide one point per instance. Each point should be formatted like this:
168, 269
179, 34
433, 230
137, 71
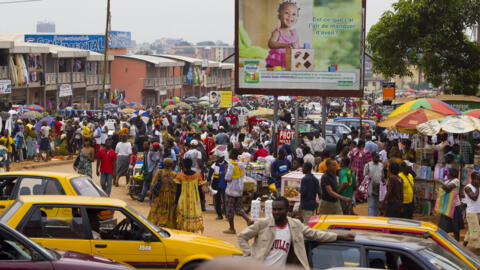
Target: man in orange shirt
322, 168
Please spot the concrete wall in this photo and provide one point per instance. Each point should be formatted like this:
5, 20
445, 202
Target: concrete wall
127, 75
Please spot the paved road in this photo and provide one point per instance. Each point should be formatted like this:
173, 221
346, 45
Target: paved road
213, 227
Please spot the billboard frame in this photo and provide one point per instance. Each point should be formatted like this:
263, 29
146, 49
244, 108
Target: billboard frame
300, 92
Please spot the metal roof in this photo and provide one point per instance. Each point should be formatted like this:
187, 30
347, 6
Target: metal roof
157, 61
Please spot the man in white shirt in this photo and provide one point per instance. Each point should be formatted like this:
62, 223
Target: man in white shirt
287, 233
318, 143
195, 156
123, 151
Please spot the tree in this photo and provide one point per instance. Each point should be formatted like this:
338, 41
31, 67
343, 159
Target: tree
429, 34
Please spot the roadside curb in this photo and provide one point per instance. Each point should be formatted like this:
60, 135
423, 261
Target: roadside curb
48, 164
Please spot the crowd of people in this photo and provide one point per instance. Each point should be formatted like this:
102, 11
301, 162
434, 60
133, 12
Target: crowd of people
186, 153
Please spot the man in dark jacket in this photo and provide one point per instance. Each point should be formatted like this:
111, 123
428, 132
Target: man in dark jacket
309, 189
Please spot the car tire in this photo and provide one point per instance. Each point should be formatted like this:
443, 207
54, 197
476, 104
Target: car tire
192, 265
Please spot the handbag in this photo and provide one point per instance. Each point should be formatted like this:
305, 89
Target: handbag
76, 162
446, 202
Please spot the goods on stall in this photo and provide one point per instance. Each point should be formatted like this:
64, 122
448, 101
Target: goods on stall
291, 185
268, 208
424, 156
290, 192
249, 184
255, 209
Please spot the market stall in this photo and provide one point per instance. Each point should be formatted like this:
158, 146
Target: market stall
291, 185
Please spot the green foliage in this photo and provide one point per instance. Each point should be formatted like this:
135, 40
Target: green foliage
429, 34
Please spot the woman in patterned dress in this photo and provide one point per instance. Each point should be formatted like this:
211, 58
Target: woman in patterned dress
189, 208
359, 157
162, 212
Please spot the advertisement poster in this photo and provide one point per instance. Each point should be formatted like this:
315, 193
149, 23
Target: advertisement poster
65, 90
221, 99
388, 91
285, 136
299, 45
5, 86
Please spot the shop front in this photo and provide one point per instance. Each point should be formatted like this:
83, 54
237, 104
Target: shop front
149, 97
35, 96
92, 98
51, 100
19, 96
79, 95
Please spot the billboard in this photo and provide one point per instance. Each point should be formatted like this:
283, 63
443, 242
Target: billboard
65, 90
96, 43
5, 86
221, 99
301, 47
285, 136
388, 91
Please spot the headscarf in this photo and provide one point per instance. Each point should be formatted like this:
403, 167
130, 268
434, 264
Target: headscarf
168, 163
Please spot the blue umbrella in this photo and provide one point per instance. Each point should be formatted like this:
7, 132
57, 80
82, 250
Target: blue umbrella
135, 103
38, 125
142, 113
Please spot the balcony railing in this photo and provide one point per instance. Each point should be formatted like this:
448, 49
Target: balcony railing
170, 81
78, 77
178, 80
50, 78
149, 83
3, 72
64, 77
93, 79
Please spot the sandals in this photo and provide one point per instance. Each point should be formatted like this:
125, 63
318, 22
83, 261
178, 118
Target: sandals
230, 231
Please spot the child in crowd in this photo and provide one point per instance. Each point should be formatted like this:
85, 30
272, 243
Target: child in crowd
348, 184
3, 156
285, 36
133, 161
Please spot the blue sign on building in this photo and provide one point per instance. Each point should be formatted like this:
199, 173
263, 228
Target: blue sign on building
96, 43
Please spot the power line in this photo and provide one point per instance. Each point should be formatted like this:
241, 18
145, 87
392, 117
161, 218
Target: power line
18, 1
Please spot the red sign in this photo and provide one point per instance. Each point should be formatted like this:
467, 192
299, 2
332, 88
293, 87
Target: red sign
285, 137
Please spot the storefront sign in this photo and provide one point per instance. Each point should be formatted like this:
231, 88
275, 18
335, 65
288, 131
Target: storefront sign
321, 56
388, 91
5, 86
285, 136
221, 99
65, 90
96, 43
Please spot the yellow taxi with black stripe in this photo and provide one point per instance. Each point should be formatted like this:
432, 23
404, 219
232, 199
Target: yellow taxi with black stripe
18, 183
396, 226
110, 228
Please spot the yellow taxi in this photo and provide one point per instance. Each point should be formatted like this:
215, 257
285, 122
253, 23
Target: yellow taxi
126, 237
396, 226
18, 183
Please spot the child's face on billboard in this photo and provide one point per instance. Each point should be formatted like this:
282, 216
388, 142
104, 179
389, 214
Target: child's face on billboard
288, 15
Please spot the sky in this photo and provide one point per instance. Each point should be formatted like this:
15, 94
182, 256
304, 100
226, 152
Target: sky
148, 20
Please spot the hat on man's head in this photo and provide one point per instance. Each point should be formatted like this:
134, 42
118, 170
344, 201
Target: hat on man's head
194, 143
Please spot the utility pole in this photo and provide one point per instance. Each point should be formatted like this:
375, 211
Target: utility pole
105, 54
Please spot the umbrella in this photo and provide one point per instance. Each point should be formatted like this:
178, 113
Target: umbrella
170, 107
135, 103
183, 105
177, 99
284, 98
204, 103
408, 121
109, 106
30, 115
191, 100
427, 103
261, 112
169, 102
127, 110
32, 107
235, 99
450, 124
474, 113
204, 98
142, 113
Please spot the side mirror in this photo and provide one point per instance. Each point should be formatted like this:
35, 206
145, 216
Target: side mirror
147, 237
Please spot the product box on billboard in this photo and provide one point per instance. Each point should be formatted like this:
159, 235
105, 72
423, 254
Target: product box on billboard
291, 185
300, 60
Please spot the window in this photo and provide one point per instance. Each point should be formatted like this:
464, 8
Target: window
326, 256
380, 259
55, 222
114, 224
13, 250
84, 186
7, 185
39, 186
442, 259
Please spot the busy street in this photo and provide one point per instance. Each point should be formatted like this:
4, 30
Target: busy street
240, 134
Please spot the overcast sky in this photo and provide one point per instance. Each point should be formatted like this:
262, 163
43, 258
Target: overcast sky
148, 20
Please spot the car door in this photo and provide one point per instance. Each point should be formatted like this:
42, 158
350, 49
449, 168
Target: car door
118, 235
16, 254
57, 226
381, 258
7, 187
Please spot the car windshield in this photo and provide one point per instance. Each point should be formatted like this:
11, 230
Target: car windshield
442, 259
463, 250
84, 186
162, 232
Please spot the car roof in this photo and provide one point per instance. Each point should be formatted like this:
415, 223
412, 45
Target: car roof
42, 173
373, 221
391, 240
77, 200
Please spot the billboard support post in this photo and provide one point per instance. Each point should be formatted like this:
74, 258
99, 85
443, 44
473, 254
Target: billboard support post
324, 116
275, 127
297, 139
